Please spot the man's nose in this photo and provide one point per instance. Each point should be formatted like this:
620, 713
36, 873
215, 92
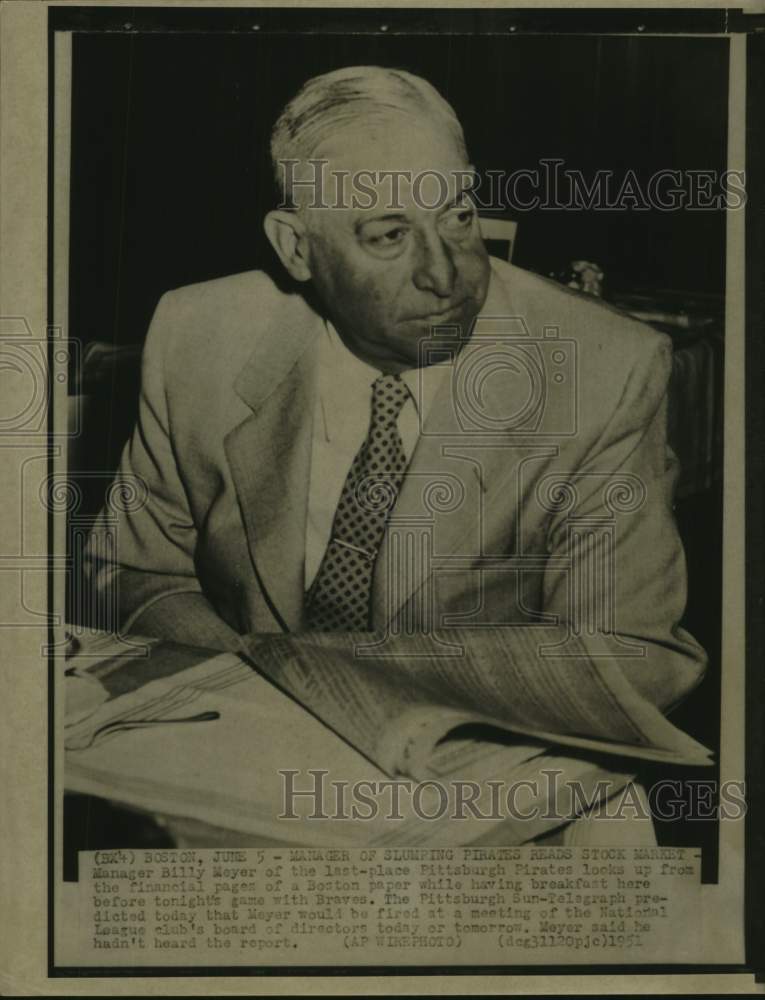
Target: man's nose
435, 270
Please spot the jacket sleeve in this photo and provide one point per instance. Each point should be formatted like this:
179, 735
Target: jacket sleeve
624, 593
140, 555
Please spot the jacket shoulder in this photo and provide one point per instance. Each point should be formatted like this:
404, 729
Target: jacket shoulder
215, 325
229, 298
544, 302
617, 357
610, 343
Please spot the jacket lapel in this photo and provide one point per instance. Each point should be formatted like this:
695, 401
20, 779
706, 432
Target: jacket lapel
269, 454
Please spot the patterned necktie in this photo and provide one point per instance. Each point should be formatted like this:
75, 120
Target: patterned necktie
338, 599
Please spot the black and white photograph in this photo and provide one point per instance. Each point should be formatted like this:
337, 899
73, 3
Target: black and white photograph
386, 437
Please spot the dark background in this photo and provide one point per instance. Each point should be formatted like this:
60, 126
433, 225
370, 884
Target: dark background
170, 174
170, 179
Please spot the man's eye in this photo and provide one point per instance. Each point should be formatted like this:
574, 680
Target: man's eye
389, 238
458, 220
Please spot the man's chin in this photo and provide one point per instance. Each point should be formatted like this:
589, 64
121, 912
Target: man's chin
453, 330
428, 346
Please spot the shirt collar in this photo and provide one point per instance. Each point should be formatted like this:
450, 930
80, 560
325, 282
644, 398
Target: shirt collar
338, 365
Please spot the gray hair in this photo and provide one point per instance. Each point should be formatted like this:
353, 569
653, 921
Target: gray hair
354, 95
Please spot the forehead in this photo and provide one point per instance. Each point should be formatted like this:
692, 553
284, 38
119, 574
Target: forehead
425, 159
397, 142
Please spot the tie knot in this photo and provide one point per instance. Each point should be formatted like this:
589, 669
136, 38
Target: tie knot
389, 393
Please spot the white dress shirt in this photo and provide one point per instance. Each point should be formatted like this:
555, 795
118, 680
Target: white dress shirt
340, 426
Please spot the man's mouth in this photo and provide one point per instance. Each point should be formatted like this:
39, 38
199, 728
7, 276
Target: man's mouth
442, 315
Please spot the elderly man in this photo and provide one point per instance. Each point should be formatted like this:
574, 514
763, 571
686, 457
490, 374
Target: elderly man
417, 436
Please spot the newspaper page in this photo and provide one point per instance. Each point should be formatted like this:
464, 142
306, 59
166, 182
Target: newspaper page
398, 704
378, 605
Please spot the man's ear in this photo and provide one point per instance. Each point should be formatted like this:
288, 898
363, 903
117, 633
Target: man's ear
287, 234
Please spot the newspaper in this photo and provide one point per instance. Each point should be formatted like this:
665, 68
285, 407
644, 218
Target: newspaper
123, 741
397, 708
118, 719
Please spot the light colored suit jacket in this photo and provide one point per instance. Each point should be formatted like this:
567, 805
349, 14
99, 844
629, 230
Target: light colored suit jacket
539, 494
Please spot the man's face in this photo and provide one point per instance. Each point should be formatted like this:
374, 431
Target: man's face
387, 274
